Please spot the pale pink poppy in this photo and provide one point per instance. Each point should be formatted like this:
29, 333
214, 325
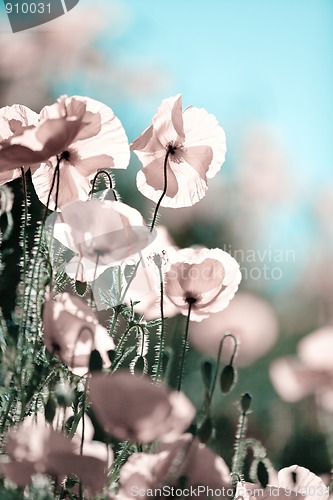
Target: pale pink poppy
292, 482
206, 278
195, 145
13, 121
6, 200
310, 372
101, 232
35, 448
88, 137
251, 319
71, 331
184, 457
132, 408
90, 446
49, 137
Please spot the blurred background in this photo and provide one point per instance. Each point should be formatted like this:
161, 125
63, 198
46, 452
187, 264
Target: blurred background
264, 68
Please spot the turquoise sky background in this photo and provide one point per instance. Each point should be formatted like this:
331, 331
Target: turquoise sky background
243, 60
246, 61
266, 61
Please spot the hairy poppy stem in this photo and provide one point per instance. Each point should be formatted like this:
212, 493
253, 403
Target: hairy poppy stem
165, 174
161, 342
185, 344
25, 220
108, 175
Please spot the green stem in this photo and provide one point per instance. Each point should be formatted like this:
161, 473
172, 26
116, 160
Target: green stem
25, 223
130, 281
236, 469
185, 344
161, 342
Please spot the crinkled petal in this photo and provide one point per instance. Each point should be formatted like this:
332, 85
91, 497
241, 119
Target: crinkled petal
199, 157
72, 185
9, 175
110, 141
90, 470
202, 129
152, 176
304, 482
14, 119
168, 121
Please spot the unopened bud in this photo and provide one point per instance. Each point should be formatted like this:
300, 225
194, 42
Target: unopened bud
227, 379
50, 409
95, 361
207, 368
262, 474
246, 403
64, 395
80, 287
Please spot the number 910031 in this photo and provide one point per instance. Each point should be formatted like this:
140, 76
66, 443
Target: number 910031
28, 8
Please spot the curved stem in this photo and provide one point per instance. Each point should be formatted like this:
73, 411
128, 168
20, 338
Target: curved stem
109, 179
219, 359
165, 174
185, 345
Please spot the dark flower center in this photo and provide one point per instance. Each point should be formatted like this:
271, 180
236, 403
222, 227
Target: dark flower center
65, 155
172, 148
190, 300
175, 150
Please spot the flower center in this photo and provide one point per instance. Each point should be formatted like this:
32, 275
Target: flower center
70, 156
65, 155
174, 150
189, 299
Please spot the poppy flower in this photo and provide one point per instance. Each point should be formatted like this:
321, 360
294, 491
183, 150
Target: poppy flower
132, 408
71, 331
291, 483
251, 319
101, 232
310, 372
182, 457
13, 121
208, 279
35, 448
193, 145
88, 136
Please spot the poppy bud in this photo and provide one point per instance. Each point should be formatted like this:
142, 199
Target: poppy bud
262, 474
207, 368
80, 287
111, 355
95, 361
246, 403
64, 395
227, 379
50, 409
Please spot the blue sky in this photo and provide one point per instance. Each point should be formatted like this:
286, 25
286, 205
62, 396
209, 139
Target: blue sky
245, 60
